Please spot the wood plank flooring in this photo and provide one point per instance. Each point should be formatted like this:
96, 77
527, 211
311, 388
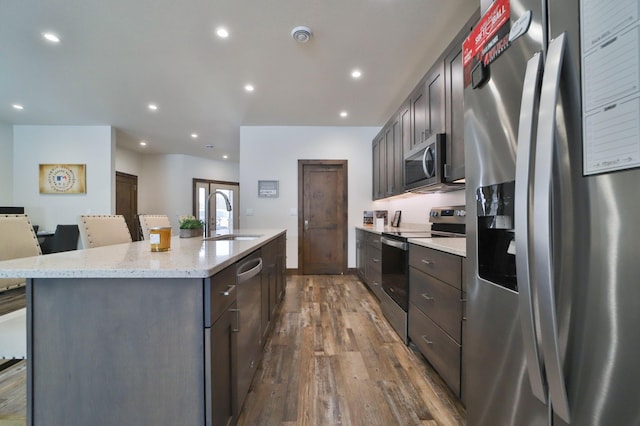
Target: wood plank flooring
332, 359
13, 393
12, 300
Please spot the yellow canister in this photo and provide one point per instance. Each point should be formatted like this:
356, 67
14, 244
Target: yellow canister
160, 238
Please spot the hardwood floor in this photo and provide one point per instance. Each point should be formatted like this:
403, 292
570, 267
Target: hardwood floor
12, 300
13, 393
331, 359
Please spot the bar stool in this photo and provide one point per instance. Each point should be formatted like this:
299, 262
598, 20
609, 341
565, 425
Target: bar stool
103, 230
148, 221
18, 240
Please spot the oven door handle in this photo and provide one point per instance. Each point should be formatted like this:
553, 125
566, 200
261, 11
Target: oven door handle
394, 243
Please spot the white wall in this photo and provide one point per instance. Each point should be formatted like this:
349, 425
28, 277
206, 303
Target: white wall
6, 164
90, 145
129, 162
165, 185
272, 153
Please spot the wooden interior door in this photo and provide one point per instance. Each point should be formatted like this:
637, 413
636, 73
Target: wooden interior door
127, 201
322, 222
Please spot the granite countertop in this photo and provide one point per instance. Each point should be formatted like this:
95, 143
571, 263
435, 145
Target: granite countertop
188, 258
457, 246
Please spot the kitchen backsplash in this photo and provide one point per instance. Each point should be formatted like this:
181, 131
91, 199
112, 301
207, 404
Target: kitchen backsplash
415, 207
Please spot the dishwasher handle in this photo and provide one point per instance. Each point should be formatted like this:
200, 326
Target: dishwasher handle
394, 243
249, 269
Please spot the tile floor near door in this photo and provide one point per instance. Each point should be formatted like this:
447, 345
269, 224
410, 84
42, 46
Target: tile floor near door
331, 359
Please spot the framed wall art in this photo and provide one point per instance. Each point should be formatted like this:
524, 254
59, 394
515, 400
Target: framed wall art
63, 179
396, 219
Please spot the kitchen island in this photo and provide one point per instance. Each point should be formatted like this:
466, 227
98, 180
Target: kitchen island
122, 335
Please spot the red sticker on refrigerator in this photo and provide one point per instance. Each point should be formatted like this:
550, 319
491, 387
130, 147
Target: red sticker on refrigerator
488, 40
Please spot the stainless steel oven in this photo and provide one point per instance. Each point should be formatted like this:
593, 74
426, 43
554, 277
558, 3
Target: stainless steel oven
446, 222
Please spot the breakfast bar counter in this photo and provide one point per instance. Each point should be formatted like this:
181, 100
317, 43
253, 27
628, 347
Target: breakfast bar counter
188, 258
122, 335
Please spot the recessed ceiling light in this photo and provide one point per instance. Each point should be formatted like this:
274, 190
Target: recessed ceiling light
208, 146
222, 32
343, 114
153, 107
51, 37
225, 156
194, 135
356, 73
249, 88
143, 143
17, 106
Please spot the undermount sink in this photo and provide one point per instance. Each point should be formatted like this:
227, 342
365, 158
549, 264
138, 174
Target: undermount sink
232, 237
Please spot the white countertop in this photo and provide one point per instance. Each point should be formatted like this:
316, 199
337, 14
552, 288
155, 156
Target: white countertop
188, 258
457, 246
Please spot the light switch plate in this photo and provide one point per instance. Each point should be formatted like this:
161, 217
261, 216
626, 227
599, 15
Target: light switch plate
249, 212
293, 211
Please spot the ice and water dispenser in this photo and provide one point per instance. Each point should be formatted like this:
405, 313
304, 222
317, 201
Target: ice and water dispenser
496, 238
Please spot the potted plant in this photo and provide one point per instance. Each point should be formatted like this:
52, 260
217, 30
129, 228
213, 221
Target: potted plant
190, 226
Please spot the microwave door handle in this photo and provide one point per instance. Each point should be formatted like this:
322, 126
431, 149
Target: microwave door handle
522, 214
543, 238
424, 162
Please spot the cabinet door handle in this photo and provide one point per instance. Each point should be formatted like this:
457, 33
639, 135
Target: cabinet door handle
375, 260
375, 283
429, 342
463, 300
428, 262
464, 318
237, 329
426, 296
230, 289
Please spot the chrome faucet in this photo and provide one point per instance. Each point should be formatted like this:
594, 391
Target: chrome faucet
206, 209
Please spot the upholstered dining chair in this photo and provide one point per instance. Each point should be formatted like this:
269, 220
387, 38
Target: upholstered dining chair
103, 230
18, 240
64, 239
148, 221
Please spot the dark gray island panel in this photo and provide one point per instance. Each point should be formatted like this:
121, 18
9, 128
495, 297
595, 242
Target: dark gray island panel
116, 351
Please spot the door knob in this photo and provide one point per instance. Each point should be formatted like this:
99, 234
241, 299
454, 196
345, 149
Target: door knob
306, 225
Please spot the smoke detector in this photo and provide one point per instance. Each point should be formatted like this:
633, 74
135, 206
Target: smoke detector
301, 34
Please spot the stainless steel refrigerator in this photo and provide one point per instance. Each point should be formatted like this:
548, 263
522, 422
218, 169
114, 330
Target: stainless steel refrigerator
552, 150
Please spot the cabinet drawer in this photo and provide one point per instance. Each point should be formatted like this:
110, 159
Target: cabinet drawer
219, 293
374, 240
439, 301
444, 266
374, 262
374, 273
436, 346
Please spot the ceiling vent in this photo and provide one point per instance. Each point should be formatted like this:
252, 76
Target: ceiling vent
301, 34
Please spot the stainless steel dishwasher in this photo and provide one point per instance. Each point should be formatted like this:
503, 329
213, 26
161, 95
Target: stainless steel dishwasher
249, 287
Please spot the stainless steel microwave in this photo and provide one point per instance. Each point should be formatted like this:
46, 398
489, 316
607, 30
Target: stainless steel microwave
424, 167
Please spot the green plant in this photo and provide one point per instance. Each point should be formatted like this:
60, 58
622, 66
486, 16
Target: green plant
190, 222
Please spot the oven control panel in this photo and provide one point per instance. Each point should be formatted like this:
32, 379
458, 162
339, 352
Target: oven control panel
455, 214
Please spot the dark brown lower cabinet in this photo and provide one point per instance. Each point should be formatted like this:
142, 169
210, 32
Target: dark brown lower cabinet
436, 311
221, 341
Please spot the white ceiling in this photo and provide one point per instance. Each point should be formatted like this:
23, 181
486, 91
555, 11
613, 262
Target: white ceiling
117, 56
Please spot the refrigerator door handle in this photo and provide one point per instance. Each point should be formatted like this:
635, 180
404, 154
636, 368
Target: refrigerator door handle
542, 236
522, 214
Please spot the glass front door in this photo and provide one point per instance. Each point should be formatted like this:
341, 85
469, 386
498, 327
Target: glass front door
216, 204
